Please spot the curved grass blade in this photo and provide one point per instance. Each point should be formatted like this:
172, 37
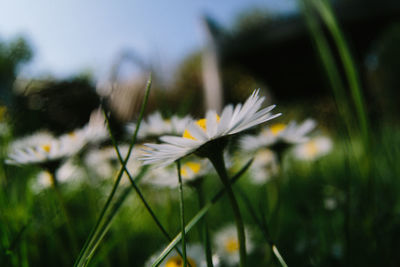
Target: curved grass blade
262, 224
118, 203
182, 213
138, 191
328, 17
87, 250
199, 215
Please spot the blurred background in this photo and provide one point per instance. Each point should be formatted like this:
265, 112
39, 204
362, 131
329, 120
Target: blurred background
60, 60
74, 52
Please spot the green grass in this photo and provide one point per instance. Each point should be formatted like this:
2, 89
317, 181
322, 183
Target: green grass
341, 210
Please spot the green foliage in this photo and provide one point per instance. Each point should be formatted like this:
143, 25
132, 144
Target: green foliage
12, 56
252, 18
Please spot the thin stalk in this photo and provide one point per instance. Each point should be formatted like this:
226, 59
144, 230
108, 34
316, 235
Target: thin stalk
85, 255
328, 17
330, 66
182, 212
279, 257
118, 203
199, 215
263, 227
18, 239
135, 186
217, 160
64, 211
204, 225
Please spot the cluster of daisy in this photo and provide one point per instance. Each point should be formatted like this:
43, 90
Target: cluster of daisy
55, 153
208, 137
199, 145
225, 244
181, 136
272, 142
155, 125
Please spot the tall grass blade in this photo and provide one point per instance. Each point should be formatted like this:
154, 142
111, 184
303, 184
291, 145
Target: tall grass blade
331, 69
324, 9
87, 250
199, 215
182, 213
137, 190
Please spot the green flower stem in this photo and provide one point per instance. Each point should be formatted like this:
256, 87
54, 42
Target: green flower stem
182, 212
87, 251
217, 160
204, 225
199, 215
137, 190
263, 227
119, 201
71, 233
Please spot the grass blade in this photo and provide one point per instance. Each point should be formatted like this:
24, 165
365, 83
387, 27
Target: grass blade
137, 190
88, 249
182, 213
325, 11
199, 215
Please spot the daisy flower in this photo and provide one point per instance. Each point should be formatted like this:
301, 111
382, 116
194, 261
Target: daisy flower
39, 138
313, 149
227, 245
70, 171
191, 171
104, 162
95, 131
264, 166
42, 181
195, 257
207, 138
205, 131
155, 125
291, 133
38, 148
43, 147
67, 172
101, 162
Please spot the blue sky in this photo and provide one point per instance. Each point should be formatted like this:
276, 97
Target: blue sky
69, 36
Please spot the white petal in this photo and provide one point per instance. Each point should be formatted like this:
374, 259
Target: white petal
197, 132
212, 124
178, 141
225, 120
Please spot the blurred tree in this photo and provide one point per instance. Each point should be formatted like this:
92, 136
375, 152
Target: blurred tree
12, 56
59, 106
278, 51
252, 18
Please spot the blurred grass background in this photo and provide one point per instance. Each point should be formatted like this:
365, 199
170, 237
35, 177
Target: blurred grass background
341, 210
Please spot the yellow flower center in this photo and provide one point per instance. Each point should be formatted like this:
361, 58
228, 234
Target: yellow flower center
48, 177
232, 245
177, 261
72, 134
190, 166
311, 148
277, 128
46, 148
202, 123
